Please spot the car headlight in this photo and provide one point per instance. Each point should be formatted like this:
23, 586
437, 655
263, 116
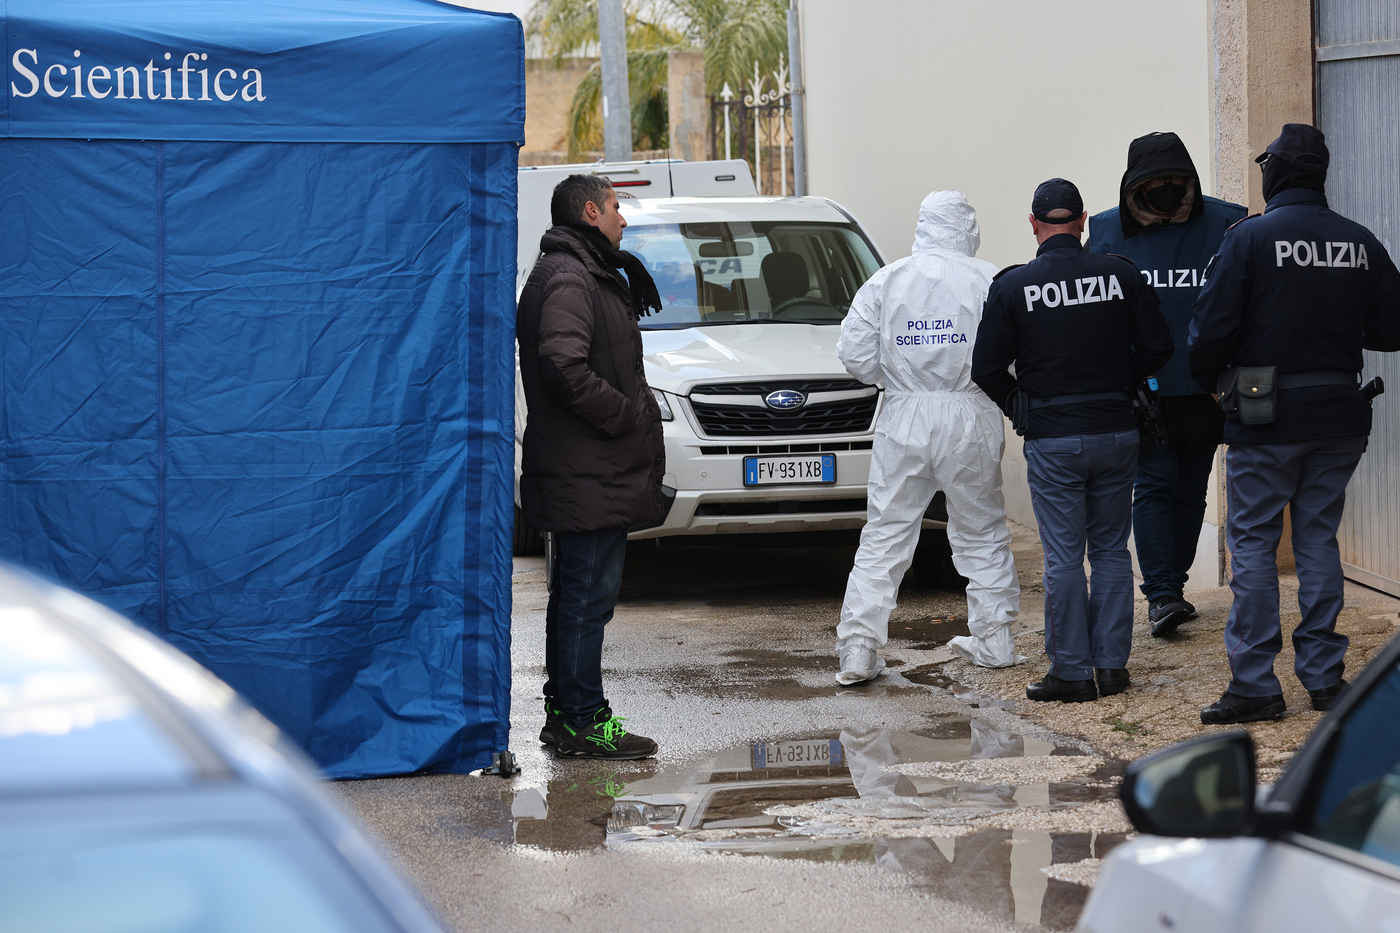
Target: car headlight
666, 414
630, 816
625, 816
667, 813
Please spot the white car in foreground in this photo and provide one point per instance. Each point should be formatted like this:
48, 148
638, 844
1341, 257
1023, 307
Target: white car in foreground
766, 434
1318, 851
139, 793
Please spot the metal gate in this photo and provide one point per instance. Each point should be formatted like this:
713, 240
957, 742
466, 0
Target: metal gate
1358, 107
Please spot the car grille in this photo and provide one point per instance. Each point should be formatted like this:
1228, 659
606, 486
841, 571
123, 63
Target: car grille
844, 416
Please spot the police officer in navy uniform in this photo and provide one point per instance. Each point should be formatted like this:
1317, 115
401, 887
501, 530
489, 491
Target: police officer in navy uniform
1170, 229
1302, 290
1082, 330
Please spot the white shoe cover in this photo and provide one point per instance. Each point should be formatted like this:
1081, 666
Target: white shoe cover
859, 662
995, 650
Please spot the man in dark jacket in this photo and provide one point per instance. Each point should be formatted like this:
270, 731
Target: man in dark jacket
593, 455
1293, 298
1081, 330
1168, 227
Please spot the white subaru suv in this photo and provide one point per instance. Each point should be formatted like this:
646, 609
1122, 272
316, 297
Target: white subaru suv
766, 433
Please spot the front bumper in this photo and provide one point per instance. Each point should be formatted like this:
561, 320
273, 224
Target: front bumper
711, 498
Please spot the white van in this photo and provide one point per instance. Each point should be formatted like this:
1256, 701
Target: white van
768, 438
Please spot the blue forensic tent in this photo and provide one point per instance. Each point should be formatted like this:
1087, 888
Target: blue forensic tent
256, 321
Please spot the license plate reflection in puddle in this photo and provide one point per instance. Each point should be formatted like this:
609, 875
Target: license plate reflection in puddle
823, 752
850, 799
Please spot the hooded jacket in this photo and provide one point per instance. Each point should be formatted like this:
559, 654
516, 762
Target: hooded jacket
911, 326
1171, 254
593, 454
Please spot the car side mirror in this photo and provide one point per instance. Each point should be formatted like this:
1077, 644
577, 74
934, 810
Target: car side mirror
1203, 788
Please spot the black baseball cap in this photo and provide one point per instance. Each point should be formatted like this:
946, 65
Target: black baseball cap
1301, 145
1056, 194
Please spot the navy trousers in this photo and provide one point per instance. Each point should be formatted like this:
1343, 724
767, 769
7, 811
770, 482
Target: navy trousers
1169, 504
1311, 478
1082, 490
587, 581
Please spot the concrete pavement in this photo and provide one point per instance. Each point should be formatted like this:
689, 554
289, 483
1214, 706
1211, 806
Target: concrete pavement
713, 652
937, 796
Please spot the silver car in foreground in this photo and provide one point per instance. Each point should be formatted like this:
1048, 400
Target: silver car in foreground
139, 793
1317, 851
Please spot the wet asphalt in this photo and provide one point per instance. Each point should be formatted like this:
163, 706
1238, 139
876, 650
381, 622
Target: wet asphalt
778, 801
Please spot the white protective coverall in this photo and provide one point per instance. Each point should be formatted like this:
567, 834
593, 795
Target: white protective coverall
910, 330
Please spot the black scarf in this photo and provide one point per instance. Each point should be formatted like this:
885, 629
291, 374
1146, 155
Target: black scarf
1280, 175
645, 297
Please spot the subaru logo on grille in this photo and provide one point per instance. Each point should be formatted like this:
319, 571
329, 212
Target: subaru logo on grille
785, 400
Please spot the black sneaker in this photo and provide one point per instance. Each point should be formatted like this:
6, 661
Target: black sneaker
1166, 613
1066, 691
604, 737
1233, 708
1322, 699
553, 725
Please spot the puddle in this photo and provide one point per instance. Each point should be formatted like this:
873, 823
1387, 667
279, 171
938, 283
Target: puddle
928, 632
1002, 822
932, 676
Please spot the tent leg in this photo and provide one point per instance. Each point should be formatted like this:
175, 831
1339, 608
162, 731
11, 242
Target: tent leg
502, 764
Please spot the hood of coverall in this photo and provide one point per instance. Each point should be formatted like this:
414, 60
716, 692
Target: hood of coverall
947, 221
1149, 157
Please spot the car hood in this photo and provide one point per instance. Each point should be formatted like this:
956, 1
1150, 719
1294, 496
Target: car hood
679, 359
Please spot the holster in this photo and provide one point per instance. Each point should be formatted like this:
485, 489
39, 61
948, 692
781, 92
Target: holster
1018, 404
1247, 394
1147, 412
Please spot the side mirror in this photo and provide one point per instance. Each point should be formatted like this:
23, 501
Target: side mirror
1203, 788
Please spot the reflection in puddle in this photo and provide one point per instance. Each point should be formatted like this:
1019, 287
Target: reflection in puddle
928, 632
933, 676
964, 809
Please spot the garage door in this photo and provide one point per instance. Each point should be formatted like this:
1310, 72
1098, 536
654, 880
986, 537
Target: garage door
1358, 107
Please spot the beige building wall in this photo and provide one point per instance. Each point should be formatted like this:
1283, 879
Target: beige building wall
1264, 79
549, 89
688, 107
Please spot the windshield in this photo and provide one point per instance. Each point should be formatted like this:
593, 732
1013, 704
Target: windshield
723, 273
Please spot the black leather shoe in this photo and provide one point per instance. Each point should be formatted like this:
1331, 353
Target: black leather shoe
1324, 698
1111, 680
1232, 708
1066, 691
1166, 613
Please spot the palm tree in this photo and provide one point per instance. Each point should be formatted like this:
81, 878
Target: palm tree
733, 34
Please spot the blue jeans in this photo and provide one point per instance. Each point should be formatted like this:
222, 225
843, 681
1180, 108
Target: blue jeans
1311, 478
1082, 490
1169, 504
587, 580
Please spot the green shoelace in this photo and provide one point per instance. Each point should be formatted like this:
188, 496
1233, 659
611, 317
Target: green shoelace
609, 732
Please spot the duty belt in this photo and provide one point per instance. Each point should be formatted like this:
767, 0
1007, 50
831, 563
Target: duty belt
1078, 399
1319, 377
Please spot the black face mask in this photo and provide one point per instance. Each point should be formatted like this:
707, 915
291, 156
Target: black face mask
1165, 198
